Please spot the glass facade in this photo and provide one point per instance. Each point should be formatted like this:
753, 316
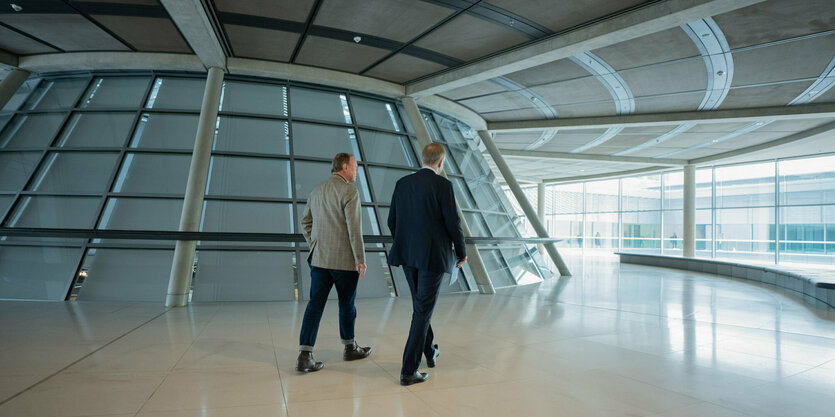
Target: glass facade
779, 211
112, 152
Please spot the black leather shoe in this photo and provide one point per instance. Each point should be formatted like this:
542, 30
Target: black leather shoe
306, 363
354, 352
430, 360
414, 378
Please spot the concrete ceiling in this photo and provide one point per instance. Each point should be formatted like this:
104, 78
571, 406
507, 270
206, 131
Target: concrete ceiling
772, 53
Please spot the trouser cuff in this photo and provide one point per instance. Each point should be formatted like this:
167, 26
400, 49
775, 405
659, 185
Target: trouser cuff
305, 348
347, 341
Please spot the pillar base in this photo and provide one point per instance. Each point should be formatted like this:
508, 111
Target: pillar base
176, 300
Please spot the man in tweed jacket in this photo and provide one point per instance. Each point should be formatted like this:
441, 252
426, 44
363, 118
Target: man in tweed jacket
332, 226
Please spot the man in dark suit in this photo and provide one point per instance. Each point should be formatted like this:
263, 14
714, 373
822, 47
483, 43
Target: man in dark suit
424, 222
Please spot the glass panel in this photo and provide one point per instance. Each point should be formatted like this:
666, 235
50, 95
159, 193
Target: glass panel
142, 214
602, 196
310, 174
704, 233
165, 131
470, 163
104, 130
383, 181
383, 213
407, 124
177, 93
387, 149
115, 92
245, 134
746, 233
452, 131
434, 132
462, 194
375, 283
493, 263
55, 212
569, 227
258, 276
5, 204
602, 231
75, 172
57, 94
375, 113
673, 190
673, 230
567, 198
31, 131
126, 275
257, 98
324, 141
807, 235
641, 231
15, 168
521, 265
21, 94
249, 177
704, 188
36, 273
153, 173
641, 193
247, 216
807, 181
500, 225
4, 120
319, 105
745, 185
476, 224
485, 195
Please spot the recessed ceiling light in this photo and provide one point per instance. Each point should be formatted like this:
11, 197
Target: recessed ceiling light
511, 22
720, 72
534, 99
715, 140
759, 123
357, 39
16, 7
704, 35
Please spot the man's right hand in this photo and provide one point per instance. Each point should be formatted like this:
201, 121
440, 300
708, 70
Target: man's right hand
361, 270
461, 262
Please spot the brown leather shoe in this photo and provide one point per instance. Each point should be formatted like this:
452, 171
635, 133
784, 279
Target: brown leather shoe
306, 363
415, 378
354, 352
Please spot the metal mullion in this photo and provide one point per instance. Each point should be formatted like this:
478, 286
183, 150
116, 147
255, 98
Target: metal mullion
168, 111
282, 157
113, 175
59, 194
713, 212
245, 115
248, 198
154, 196
391, 166
661, 209
776, 212
297, 279
37, 244
158, 151
82, 149
378, 129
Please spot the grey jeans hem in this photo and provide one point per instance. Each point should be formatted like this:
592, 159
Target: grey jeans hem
348, 342
305, 348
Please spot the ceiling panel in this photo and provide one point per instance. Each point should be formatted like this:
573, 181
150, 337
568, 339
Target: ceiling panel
717, 127
629, 141
580, 90
466, 38
564, 14
789, 61
70, 32
146, 34
271, 45
769, 95
561, 70
669, 103
506, 140
521, 114
667, 45
401, 68
497, 102
400, 20
792, 126
640, 130
473, 90
655, 151
339, 55
21, 45
776, 19
605, 108
293, 10
674, 77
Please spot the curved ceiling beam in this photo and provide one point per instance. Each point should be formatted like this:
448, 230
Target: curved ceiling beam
538, 102
191, 18
593, 157
621, 94
719, 63
652, 18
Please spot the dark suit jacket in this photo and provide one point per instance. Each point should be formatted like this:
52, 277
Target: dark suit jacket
424, 222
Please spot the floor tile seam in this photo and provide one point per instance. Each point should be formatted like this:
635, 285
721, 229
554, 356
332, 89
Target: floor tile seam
478, 384
174, 366
175, 410
80, 359
379, 394
277, 366
696, 399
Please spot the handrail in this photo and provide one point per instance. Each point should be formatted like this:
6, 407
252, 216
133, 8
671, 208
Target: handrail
222, 236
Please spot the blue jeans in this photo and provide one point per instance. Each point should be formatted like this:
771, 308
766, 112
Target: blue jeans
321, 281
425, 286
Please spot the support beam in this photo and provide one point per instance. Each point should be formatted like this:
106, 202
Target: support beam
540, 210
10, 85
479, 270
606, 175
805, 111
194, 23
182, 267
655, 17
593, 157
522, 200
689, 233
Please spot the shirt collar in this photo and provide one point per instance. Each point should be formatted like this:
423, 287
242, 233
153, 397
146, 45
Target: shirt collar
431, 169
340, 177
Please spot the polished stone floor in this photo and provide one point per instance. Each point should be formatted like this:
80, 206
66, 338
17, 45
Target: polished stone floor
613, 340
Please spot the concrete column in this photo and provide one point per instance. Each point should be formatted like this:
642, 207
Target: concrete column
183, 266
480, 275
523, 201
689, 234
11, 84
540, 211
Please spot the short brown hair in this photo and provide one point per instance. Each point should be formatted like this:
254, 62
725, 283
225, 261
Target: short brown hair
433, 153
339, 160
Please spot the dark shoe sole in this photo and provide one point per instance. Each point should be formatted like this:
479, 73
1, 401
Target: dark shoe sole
431, 362
356, 358
309, 370
413, 381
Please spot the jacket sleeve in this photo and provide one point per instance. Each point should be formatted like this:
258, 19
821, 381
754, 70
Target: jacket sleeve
392, 220
353, 217
307, 223
451, 220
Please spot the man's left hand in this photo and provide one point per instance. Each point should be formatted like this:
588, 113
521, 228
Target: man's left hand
361, 270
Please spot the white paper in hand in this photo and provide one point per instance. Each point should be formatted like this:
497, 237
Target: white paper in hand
453, 276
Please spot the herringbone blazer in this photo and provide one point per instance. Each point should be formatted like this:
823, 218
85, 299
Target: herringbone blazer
332, 225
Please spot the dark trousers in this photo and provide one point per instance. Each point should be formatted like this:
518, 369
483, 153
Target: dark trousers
425, 286
321, 281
